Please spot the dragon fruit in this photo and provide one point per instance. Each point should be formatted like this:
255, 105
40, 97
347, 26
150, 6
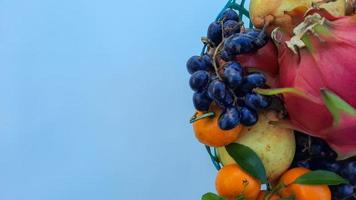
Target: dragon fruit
317, 78
258, 60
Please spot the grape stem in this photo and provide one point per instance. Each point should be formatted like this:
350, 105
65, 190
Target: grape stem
215, 64
229, 4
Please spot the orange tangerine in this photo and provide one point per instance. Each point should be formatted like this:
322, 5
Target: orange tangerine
232, 182
302, 192
208, 132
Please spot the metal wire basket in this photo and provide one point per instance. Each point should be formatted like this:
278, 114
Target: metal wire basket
242, 9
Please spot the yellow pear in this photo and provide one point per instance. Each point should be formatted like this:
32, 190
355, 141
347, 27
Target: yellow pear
273, 144
286, 14
276, 10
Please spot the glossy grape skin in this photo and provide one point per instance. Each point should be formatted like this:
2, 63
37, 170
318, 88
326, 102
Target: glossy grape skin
230, 27
208, 61
349, 171
248, 117
217, 90
315, 149
252, 100
252, 81
319, 148
233, 74
228, 100
199, 80
215, 33
226, 56
260, 37
261, 41
252, 32
229, 119
233, 64
238, 44
201, 101
332, 166
303, 163
256, 79
329, 153
247, 42
196, 63
229, 14
265, 102
342, 191
256, 101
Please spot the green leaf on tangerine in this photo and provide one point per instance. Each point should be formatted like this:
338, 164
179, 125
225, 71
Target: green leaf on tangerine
287, 198
241, 197
212, 196
336, 105
320, 177
248, 160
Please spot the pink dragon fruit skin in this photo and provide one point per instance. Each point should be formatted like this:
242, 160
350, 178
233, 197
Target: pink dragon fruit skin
265, 59
325, 66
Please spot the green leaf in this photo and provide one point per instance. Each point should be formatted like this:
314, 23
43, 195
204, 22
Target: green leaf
212, 196
336, 105
320, 177
248, 160
276, 91
241, 197
287, 198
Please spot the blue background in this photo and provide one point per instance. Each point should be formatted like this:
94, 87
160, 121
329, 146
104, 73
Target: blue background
94, 100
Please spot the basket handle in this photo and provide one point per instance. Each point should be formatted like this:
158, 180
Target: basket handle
236, 6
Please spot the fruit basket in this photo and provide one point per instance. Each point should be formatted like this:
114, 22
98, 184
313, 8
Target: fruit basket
271, 110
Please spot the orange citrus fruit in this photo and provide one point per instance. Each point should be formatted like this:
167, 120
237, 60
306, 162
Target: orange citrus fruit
302, 192
208, 132
232, 182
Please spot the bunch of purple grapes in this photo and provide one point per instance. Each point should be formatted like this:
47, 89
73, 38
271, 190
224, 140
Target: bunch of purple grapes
229, 86
315, 154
